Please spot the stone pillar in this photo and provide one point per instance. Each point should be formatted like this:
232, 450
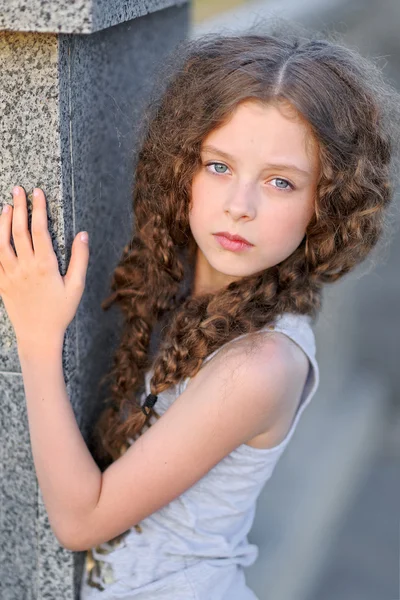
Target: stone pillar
73, 79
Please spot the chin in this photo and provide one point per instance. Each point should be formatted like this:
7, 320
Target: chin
235, 272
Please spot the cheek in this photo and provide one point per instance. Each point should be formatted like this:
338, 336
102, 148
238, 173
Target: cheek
201, 206
287, 225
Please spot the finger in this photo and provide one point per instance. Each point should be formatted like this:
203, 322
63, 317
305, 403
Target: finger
41, 238
77, 268
20, 232
7, 255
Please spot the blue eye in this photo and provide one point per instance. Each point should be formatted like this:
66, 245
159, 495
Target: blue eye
219, 164
286, 181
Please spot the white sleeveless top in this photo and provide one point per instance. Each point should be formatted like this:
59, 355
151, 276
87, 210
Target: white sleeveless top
195, 547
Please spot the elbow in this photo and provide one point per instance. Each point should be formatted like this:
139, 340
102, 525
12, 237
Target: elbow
71, 538
74, 545
65, 544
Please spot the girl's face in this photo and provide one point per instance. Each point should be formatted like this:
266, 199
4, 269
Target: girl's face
257, 179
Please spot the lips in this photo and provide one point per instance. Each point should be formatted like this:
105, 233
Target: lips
235, 238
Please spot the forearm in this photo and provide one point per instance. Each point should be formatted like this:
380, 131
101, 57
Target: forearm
69, 478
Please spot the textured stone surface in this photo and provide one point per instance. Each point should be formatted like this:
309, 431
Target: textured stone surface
18, 493
70, 107
74, 16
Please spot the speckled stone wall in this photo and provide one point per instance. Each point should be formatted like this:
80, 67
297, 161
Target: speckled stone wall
69, 106
74, 16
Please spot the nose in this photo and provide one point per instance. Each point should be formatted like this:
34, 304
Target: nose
241, 202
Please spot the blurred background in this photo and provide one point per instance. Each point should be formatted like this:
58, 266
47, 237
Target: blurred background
328, 522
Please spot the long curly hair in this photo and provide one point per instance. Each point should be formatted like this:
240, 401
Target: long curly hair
349, 108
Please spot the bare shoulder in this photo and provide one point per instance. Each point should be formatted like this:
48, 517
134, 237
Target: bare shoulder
260, 353
273, 369
293, 366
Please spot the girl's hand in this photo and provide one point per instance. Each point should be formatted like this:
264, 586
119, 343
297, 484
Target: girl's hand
39, 301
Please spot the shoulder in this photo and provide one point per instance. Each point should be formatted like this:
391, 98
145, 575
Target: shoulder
258, 354
263, 372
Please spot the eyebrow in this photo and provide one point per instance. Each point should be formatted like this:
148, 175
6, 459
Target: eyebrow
289, 167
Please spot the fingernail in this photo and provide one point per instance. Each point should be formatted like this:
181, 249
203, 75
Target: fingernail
16, 190
84, 237
6, 208
36, 192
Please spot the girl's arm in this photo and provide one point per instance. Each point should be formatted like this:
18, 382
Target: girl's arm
40, 304
68, 477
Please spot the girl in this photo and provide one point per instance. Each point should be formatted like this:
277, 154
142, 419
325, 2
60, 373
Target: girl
264, 172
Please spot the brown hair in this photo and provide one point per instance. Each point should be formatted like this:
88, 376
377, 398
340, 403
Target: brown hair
349, 109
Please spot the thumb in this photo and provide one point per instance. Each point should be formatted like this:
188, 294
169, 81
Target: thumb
77, 268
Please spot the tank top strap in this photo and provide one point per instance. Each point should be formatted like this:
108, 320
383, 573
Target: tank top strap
298, 328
